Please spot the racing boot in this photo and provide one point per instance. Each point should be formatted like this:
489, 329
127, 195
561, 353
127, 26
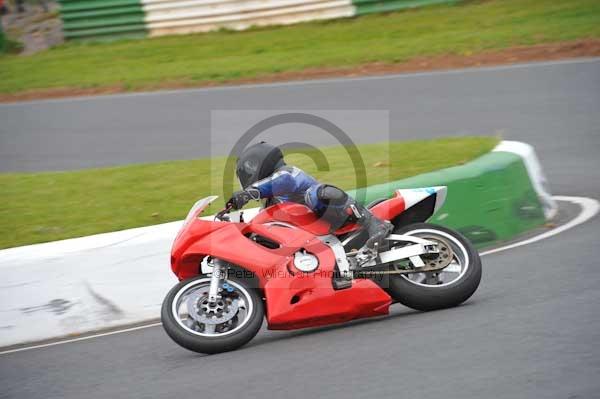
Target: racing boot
378, 230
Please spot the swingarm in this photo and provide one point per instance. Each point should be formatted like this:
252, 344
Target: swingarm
424, 256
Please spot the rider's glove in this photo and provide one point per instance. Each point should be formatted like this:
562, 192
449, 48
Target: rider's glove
241, 198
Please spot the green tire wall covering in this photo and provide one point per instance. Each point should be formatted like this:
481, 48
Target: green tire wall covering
376, 6
102, 19
109, 19
490, 199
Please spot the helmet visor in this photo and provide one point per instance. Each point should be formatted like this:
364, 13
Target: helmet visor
257, 162
248, 170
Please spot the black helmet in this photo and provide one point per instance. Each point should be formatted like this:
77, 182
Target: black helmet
257, 162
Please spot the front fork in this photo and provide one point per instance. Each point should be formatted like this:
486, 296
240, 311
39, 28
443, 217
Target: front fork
218, 273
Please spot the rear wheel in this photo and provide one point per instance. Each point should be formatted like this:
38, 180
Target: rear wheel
446, 288
200, 326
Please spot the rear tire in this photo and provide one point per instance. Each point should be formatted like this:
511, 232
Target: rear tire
421, 291
201, 342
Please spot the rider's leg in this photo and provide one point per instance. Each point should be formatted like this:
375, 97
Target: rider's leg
378, 229
337, 207
332, 205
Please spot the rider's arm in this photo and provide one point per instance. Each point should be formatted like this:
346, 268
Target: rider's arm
279, 183
240, 198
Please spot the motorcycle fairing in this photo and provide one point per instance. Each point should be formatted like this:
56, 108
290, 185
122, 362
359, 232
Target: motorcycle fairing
295, 214
230, 243
293, 299
309, 300
414, 196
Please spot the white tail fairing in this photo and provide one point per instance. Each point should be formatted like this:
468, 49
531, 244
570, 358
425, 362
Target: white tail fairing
413, 196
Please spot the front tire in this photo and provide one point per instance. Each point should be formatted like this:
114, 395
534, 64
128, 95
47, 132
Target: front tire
188, 324
447, 288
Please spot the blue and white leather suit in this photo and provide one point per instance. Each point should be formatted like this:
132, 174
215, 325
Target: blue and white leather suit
263, 173
290, 183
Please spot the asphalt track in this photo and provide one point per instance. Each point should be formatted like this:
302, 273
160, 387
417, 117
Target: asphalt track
531, 330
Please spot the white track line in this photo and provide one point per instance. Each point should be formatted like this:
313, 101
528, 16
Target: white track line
66, 341
589, 209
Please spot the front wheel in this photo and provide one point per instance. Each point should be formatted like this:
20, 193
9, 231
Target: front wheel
446, 288
200, 326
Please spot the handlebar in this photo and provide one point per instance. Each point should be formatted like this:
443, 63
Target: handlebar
221, 214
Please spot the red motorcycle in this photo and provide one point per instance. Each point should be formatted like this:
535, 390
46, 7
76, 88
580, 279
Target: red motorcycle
287, 265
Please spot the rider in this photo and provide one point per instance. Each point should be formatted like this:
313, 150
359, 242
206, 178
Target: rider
263, 173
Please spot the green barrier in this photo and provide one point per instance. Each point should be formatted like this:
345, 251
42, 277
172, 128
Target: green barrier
122, 21
83, 5
490, 199
109, 33
375, 6
101, 13
109, 19
102, 19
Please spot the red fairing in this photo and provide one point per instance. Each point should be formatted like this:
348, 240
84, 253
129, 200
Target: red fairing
293, 299
294, 214
389, 209
309, 300
301, 216
188, 266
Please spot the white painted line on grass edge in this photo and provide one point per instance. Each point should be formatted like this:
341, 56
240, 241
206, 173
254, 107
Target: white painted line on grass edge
589, 208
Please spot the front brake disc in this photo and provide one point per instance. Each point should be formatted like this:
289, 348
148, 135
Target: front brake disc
204, 312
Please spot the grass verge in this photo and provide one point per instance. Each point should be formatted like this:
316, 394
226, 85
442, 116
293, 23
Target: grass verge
466, 28
40, 207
